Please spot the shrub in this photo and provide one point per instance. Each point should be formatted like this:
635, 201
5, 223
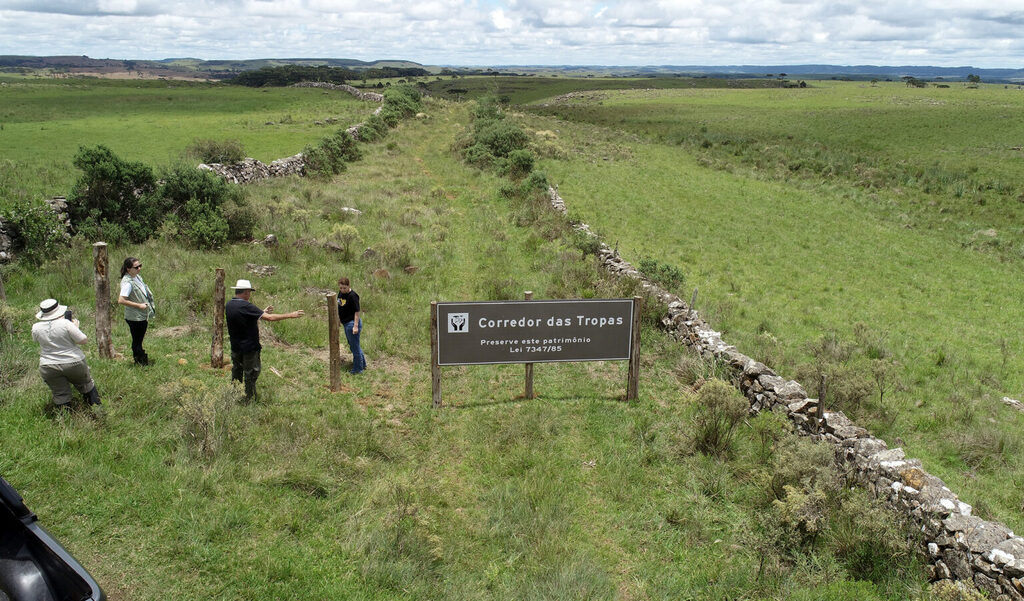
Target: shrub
870, 542
329, 156
35, 230
345, 235
487, 109
720, 408
586, 243
667, 275
537, 180
501, 137
215, 151
373, 129
242, 218
202, 225
802, 463
113, 195
520, 162
478, 155
183, 183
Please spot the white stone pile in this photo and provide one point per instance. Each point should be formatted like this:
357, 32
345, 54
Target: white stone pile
959, 545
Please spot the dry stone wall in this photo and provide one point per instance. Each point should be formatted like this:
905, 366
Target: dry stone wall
371, 96
960, 546
251, 170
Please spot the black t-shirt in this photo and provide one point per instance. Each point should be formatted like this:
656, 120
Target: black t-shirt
243, 325
348, 306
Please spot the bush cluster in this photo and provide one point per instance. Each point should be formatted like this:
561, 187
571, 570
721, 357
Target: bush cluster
36, 231
498, 143
114, 198
330, 156
121, 201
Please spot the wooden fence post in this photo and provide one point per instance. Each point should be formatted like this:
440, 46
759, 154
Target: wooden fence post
633, 380
334, 340
104, 342
435, 369
217, 347
528, 391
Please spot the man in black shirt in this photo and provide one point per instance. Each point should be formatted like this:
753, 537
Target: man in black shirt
348, 314
244, 332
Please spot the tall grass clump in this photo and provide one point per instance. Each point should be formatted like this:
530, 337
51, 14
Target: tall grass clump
720, 408
224, 152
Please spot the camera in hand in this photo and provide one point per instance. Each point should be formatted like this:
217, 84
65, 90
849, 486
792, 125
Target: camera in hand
67, 315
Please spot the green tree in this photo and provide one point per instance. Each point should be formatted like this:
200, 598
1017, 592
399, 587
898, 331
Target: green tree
113, 198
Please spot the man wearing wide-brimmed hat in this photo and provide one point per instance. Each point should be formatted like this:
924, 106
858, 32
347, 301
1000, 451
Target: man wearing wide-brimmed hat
61, 360
244, 332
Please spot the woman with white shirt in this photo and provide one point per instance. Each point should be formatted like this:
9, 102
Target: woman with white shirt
137, 299
61, 361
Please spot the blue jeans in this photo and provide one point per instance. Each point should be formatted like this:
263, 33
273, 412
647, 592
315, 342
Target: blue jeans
358, 359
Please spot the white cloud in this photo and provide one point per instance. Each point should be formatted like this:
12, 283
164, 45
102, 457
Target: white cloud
941, 32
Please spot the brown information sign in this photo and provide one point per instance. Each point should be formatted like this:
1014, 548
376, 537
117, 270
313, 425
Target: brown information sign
540, 331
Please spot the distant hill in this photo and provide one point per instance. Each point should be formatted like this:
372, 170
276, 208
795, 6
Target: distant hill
177, 68
195, 68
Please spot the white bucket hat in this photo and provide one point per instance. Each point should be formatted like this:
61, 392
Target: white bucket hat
50, 309
243, 285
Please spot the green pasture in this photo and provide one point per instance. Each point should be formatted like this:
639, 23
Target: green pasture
937, 158
176, 489
527, 89
43, 124
888, 288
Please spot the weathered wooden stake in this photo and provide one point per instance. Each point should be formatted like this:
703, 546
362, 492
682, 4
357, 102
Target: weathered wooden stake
334, 340
435, 369
528, 391
633, 381
8, 326
217, 347
693, 302
104, 341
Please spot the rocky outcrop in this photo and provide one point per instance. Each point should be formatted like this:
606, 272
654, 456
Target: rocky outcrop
960, 546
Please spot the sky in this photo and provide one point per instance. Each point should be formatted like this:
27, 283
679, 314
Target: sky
945, 33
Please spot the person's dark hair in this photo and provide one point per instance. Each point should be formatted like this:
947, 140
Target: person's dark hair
127, 265
343, 282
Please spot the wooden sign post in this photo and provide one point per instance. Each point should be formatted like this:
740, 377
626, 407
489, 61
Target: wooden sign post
334, 340
104, 341
528, 391
435, 367
633, 379
217, 347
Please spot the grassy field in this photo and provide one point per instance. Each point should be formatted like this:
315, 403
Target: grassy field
42, 124
178, 490
523, 90
904, 289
